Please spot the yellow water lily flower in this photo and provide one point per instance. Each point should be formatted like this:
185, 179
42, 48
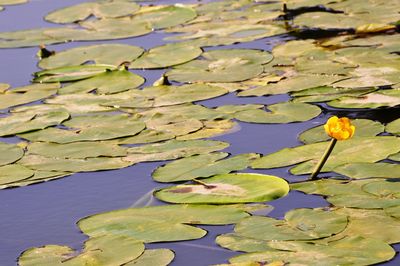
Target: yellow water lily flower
339, 128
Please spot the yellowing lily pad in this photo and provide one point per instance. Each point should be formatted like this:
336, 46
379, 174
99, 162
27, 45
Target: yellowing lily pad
13, 173
227, 188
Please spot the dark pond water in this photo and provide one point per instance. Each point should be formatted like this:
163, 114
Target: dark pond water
47, 213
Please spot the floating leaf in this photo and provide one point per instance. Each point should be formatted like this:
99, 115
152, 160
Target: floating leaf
327, 93
101, 9
376, 194
146, 136
27, 94
393, 127
280, 113
365, 128
77, 150
173, 149
227, 188
13, 173
85, 128
70, 73
237, 242
203, 165
299, 224
367, 170
159, 257
387, 98
24, 122
38, 177
354, 150
109, 82
369, 224
174, 124
161, 223
351, 250
107, 54
228, 65
169, 95
296, 83
212, 128
9, 153
38, 162
97, 250
170, 54
165, 16
50, 255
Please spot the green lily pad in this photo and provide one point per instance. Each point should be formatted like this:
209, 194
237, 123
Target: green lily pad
38, 162
27, 94
70, 73
227, 188
97, 250
357, 150
354, 250
107, 54
10, 153
364, 128
393, 127
24, 122
100, 9
77, 150
109, 82
203, 165
89, 128
13, 173
329, 187
280, 113
160, 257
173, 149
161, 223
227, 65
299, 224
170, 54
368, 170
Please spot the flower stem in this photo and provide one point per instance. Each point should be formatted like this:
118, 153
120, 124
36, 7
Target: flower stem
317, 169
